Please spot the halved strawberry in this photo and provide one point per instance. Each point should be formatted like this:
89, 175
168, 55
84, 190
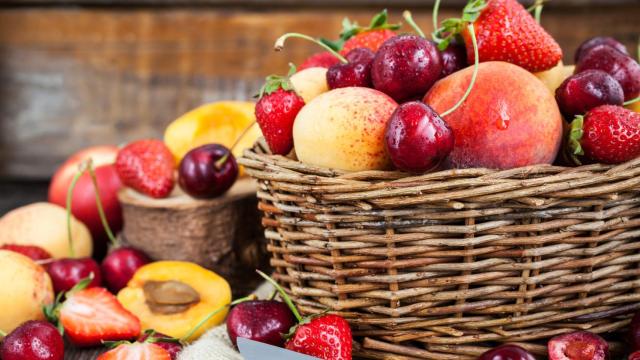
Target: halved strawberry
91, 316
136, 351
147, 166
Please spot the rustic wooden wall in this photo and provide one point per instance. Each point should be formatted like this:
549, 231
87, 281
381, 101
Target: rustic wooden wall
76, 75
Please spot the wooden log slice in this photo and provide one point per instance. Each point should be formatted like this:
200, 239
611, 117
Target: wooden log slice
221, 234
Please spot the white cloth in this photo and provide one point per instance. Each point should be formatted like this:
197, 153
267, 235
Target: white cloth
215, 343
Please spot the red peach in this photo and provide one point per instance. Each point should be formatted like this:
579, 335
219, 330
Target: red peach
509, 120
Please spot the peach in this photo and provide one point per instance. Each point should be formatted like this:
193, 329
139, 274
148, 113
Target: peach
26, 287
509, 120
344, 129
310, 82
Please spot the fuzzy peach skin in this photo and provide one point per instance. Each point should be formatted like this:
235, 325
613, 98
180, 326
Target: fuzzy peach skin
26, 287
344, 129
310, 82
509, 120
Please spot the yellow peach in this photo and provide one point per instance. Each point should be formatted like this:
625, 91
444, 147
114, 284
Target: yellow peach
172, 297
553, 77
634, 106
310, 82
26, 287
45, 225
344, 129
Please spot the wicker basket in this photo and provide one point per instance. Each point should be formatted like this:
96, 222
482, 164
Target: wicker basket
446, 265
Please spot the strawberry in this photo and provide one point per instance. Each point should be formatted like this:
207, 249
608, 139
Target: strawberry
90, 316
505, 31
147, 166
370, 37
326, 337
323, 59
30, 251
136, 351
609, 134
276, 110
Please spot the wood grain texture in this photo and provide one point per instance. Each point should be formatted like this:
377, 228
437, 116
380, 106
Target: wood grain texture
72, 77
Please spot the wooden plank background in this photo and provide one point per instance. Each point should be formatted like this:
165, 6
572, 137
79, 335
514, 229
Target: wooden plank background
73, 76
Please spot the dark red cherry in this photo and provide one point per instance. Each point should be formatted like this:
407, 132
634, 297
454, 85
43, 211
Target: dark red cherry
33, 340
207, 171
66, 273
578, 345
586, 90
119, 266
507, 352
635, 356
172, 347
406, 66
357, 72
454, 58
634, 332
417, 139
260, 320
599, 40
620, 66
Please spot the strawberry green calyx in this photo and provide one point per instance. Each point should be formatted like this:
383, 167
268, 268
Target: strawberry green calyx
450, 28
575, 135
379, 21
52, 311
275, 82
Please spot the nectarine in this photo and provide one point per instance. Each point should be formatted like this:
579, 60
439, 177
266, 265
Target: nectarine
509, 120
344, 129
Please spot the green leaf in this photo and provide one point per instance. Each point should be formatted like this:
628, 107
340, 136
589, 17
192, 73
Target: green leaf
575, 135
335, 45
379, 19
115, 344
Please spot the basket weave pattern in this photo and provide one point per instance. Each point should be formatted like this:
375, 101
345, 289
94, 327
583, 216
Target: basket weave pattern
442, 265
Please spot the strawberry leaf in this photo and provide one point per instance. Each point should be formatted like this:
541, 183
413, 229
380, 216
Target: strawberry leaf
275, 82
450, 28
575, 135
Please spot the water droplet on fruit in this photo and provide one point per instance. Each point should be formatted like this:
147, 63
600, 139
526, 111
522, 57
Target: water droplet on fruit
502, 124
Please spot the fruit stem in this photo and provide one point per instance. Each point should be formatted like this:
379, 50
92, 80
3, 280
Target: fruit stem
436, 9
244, 132
283, 294
103, 217
220, 162
631, 101
2, 334
186, 338
279, 45
82, 167
407, 16
473, 76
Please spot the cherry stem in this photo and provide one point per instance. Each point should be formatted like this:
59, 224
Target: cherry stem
436, 9
220, 162
279, 45
473, 76
283, 294
186, 338
103, 217
82, 167
3, 334
631, 101
242, 135
407, 16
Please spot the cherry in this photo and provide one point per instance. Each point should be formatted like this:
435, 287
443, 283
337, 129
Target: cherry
66, 273
620, 66
599, 40
454, 58
33, 252
417, 139
635, 356
33, 340
507, 352
172, 347
586, 90
119, 266
207, 171
634, 332
260, 320
357, 72
578, 345
405, 67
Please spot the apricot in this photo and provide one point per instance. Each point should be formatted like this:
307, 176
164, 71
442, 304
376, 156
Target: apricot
344, 129
509, 120
553, 77
634, 106
172, 297
45, 225
26, 287
310, 82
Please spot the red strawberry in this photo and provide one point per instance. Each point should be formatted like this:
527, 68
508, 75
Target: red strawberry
371, 39
635, 356
326, 337
136, 351
505, 31
30, 251
607, 133
275, 112
323, 59
91, 316
147, 166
